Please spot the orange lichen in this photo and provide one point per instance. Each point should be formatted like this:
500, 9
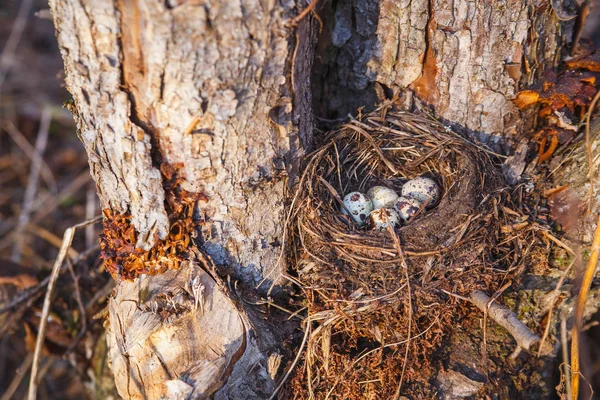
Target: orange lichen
590, 62
526, 98
425, 87
119, 237
123, 259
546, 150
562, 100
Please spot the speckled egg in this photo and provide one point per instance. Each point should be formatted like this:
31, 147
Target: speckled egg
422, 189
407, 207
359, 206
382, 197
381, 218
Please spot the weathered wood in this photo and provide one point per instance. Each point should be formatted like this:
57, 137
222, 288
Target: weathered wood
177, 335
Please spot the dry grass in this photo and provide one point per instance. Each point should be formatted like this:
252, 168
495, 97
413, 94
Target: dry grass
377, 301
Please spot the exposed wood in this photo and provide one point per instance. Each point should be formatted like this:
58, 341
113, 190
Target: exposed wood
178, 335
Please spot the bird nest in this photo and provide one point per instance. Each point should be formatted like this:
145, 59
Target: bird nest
380, 302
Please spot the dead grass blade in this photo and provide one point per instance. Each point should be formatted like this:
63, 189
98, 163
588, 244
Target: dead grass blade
39, 344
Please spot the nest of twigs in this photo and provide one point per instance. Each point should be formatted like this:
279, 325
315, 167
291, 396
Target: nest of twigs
380, 302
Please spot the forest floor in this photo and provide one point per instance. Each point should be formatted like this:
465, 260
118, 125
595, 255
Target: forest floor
40, 197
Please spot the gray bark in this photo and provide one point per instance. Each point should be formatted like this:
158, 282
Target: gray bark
465, 59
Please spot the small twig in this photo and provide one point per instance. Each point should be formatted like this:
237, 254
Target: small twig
505, 318
43, 207
588, 147
484, 329
305, 12
555, 296
18, 378
558, 242
564, 337
456, 295
408, 289
49, 237
580, 308
39, 343
32, 183
16, 32
82, 313
32, 154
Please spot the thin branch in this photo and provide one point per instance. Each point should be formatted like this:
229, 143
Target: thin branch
31, 153
82, 313
18, 378
8, 52
580, 308
32, 183
62, 253
43, 207
564, 337
305, 12
410, 316
505, 318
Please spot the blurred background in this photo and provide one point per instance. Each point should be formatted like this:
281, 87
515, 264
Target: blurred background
45, 187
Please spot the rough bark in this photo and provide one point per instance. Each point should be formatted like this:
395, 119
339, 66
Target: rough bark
213, 95
204, 88
466, 59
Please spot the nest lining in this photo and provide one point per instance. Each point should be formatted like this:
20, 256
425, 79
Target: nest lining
360, 304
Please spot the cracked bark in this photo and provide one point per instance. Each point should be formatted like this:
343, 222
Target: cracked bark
204, 90
465, 59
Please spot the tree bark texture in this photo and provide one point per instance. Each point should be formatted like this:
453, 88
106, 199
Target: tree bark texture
205, 88
217, 96
213, 95
466, 59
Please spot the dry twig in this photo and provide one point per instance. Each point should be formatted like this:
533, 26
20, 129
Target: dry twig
32, 183
580, 308
505, 318
67, 240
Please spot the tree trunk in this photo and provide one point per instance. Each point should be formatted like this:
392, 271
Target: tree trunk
201, 112
467, 60
184, 97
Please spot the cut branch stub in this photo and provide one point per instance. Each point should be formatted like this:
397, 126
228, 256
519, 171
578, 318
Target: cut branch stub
179, 334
